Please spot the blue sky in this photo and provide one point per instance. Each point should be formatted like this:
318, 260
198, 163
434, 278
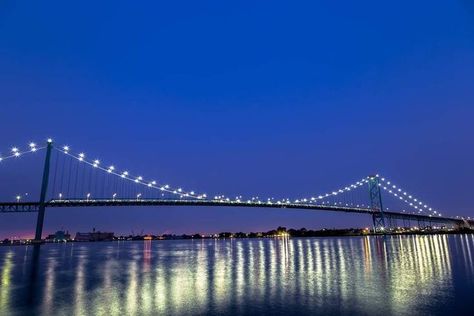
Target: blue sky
270, 98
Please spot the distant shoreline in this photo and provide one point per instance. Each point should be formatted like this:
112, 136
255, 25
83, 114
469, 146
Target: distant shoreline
224, 236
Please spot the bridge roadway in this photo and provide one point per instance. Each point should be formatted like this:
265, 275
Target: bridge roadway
14, 207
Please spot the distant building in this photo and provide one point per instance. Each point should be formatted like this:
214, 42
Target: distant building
94, 236
59, 236
82, 237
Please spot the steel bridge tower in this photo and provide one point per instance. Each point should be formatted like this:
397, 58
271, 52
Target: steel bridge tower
376, 205
44, 190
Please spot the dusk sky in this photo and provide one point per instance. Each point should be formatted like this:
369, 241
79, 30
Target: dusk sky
268, 98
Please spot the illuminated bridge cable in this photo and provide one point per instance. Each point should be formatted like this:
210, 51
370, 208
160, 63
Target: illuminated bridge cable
409, 199
125, 175
16, 152
331, 195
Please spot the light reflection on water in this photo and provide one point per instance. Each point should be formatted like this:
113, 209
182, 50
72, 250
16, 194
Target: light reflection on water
360, 275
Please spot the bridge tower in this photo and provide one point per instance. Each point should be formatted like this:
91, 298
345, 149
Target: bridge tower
44, 190
376, 205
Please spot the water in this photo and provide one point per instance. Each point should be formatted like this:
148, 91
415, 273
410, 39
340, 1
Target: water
412, 275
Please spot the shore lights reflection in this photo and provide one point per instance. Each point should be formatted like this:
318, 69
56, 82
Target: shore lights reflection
331, 275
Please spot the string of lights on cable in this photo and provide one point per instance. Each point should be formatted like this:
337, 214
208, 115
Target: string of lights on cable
404, 196
16, 152
127, 176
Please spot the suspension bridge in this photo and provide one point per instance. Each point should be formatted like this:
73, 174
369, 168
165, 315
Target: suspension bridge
73, 180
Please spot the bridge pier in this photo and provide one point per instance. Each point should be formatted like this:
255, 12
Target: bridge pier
44, 190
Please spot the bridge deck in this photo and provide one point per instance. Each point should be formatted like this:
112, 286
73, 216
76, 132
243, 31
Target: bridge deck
33, 207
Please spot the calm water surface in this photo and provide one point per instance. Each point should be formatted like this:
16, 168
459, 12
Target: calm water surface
413, 275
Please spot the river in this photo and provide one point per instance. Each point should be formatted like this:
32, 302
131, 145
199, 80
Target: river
393, 275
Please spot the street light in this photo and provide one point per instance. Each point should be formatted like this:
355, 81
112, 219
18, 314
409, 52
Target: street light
18, 198
88, 196
138, 196
113, 196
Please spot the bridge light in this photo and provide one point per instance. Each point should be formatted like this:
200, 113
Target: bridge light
32, 145
17, 154
50, 140
14, 150
66, 149
82, 156
18, 198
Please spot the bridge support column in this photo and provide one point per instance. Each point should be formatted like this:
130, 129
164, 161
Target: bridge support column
376, 206
44, 190
393, 223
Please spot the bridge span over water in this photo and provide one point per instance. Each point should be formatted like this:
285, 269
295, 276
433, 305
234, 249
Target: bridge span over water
71, 181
